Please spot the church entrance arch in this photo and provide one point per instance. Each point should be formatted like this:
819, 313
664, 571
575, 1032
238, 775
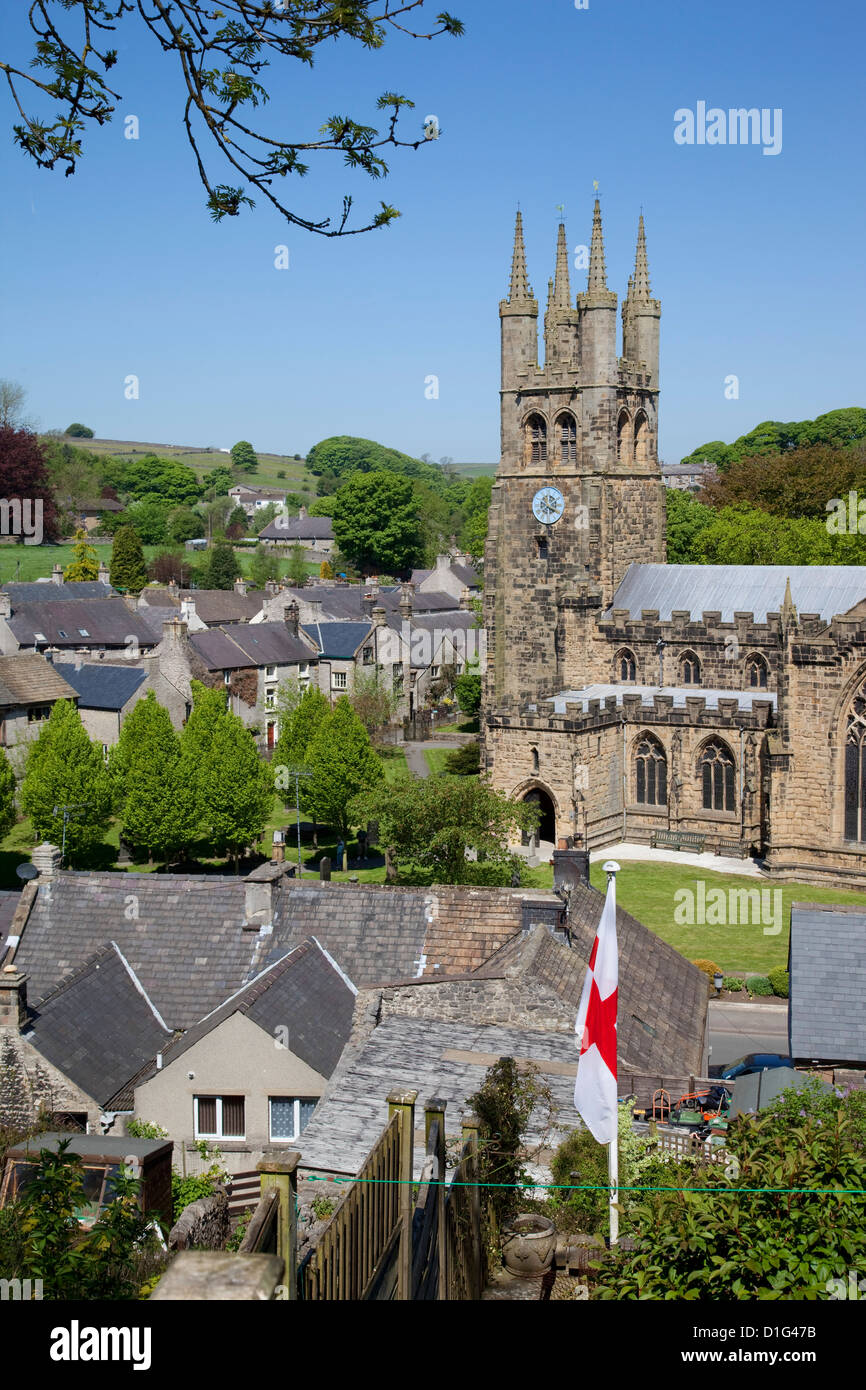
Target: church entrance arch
536, 796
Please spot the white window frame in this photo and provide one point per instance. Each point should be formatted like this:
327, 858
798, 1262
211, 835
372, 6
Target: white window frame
270, 673
339, 680
271, 697
227, 677
296, 1115
230, 1138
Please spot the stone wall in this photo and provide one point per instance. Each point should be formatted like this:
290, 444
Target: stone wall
203, 1225
31, 1087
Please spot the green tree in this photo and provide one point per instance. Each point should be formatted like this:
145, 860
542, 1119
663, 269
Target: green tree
301, 715
64, 768
263, 517
220, 567
376, 523
208, 707
168, 479
744, 1238
344, 454
78, 431
84, 565
687, 518
341, 764
234, 788
236, 524
296, 571
373, 700
149, 515
244, 456
7, 795
264, 566
217, 482
467, 688
430, 822
128, 570
184, 524
153, 797
325, 570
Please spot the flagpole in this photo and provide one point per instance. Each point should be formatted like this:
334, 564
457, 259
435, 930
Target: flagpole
611, 868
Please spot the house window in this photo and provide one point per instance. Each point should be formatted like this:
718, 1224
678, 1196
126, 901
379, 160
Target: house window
36, 713
304, 671
434, 673
82, 632
651, 773
717, 773
39, 637
367, 656
756, 673
227, 676
289, 1116
270, 697
219, 1117
61, 633
338, 680
690, 669
397, 677
270, 673
626, 666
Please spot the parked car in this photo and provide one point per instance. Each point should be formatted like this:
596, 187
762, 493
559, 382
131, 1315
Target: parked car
754, 1061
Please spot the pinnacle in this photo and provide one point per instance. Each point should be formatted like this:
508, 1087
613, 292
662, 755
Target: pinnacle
597, 279
641, 289
520, 290
561, 289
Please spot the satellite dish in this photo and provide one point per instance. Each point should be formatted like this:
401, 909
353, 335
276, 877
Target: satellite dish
27, 871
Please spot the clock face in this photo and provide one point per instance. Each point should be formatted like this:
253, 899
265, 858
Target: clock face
548, 504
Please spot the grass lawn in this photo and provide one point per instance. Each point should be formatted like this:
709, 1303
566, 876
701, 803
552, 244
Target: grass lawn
435, 759
202, 460
25, 563
394, 760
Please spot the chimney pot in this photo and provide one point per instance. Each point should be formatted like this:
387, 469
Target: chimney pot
13, 998
291, 613
46, 858
57, 574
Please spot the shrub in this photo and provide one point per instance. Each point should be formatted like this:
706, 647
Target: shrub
709, 968
759, 984
779, 981
464, 761
733, 983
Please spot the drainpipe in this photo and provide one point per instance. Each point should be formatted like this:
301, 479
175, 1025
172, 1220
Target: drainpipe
624, 775
742, 803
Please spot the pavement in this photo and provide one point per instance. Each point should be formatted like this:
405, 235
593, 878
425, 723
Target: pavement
415, 760
716, 863
759, 1026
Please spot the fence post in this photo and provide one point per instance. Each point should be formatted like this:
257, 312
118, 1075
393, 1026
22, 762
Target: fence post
434, 1111
282, 1173
469, 1131
403, 1102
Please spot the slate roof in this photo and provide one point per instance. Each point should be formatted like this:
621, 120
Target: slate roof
243, 644
215, 606
102, 687
98, 1026
45, 590
825, 590
827, 963
154, 619
27, 678
680, 693
432, 623
305, 991
307, 528
435, 1059
339, 641
9, 899
107, 621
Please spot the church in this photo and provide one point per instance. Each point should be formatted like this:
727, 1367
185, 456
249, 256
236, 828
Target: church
633, 700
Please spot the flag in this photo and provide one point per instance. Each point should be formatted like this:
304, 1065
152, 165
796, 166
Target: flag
595, 1087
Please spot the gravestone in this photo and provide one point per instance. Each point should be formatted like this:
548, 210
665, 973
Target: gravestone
325, 869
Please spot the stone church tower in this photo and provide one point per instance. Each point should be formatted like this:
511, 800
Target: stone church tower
582, 431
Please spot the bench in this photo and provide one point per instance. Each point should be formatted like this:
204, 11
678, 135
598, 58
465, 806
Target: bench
677, 839
738, 848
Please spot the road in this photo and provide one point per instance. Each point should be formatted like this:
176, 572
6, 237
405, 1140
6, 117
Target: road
739, 1028
415, 759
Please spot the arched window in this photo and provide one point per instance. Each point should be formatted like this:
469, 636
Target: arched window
535, 760
641, 439
855, 767
690, 669
623, 437
756, 673
625, 664
536, 439
651, 773
717, 773
567, 439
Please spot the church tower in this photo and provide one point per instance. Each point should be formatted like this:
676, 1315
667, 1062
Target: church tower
578, 494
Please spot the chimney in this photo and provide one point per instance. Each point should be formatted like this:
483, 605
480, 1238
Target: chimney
102, 574
367, 603
241, 587
5, 605
291, 613
57, 574
187, 609
259, 895
314, 608
466, 597
13, 998
302, 513
46, 858
271, 587
173, 632
380, 617
443, 562
407, 595
173, 590
570, 868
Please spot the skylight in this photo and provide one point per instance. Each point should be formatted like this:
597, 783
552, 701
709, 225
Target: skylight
83, 632
40, 637
61, 633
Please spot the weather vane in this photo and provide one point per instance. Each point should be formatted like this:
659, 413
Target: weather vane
560, 208
595, 184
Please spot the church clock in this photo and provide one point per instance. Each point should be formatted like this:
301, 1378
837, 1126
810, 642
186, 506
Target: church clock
548, 504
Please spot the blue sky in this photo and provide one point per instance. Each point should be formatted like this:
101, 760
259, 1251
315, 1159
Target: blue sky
757, 259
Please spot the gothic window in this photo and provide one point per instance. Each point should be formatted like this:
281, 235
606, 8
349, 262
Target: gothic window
641, 439
651, 773
717, 774
626, 666
567, 439
690, 669
536, 440
855, 768
756, 673
623, 437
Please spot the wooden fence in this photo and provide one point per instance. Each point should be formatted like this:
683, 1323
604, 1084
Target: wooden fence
244, 1190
